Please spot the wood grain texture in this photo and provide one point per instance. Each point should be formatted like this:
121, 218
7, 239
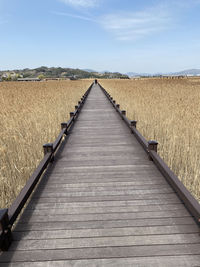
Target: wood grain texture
103, 203
156, 261
109, 224
119, 241
122, 231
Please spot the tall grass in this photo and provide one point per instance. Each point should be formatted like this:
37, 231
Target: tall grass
169, 112
30, 115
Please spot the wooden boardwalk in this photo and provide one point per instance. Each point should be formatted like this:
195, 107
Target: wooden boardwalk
103, 203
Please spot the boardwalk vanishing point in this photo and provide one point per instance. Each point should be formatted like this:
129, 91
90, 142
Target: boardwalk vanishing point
102, 202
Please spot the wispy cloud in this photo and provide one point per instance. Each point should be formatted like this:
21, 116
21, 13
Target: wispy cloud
136, 25
81, 3
73, 16
132, 25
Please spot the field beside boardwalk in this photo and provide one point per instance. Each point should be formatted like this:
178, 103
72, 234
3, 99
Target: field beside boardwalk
168, 111
30, 115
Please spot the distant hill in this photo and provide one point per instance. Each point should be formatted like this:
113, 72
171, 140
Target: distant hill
132, 74
135, 74
192, 72
59, 73
89, 70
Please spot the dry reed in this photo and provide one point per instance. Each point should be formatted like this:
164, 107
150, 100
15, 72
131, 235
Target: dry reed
169, 112
30, 115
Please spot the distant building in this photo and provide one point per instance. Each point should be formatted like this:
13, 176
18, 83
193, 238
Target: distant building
73, 77
28, 79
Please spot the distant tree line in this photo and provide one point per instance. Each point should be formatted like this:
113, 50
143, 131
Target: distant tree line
45, 72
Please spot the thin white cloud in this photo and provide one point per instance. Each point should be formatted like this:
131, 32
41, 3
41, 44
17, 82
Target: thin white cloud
73, 16
132, 25
81, 3
136, 25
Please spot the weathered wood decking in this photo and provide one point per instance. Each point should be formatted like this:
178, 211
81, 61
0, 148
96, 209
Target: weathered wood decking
103, 203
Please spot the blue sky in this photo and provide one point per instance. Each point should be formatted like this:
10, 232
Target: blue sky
138, 36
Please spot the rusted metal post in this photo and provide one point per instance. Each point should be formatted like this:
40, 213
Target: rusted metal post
48, 148
6, 235
152, 145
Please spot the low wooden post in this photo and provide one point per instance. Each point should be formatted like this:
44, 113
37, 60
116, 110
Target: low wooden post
6, 236
114, 101
123, 112
95, 81
76, 107
133, 123
71, 114
118, 106
48, 148
152, 145
64, 125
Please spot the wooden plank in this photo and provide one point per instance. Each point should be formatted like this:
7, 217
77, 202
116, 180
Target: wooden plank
98, 143
138, 175
111, 168
102, 139
104, 209
126, 192
60, 199
39, 205
103, 132
96, 159
92, 123
92, 188
59, 180
86, 233
65, 163
54, 184
148, 240
105, 216
70, 179
114, 152
118, 148
156, 261
98, 156
110, 224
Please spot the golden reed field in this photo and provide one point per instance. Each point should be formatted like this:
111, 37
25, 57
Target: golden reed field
30, 116
31, 112
167, 110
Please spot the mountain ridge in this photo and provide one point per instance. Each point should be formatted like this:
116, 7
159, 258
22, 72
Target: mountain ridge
193, 72
59, 72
